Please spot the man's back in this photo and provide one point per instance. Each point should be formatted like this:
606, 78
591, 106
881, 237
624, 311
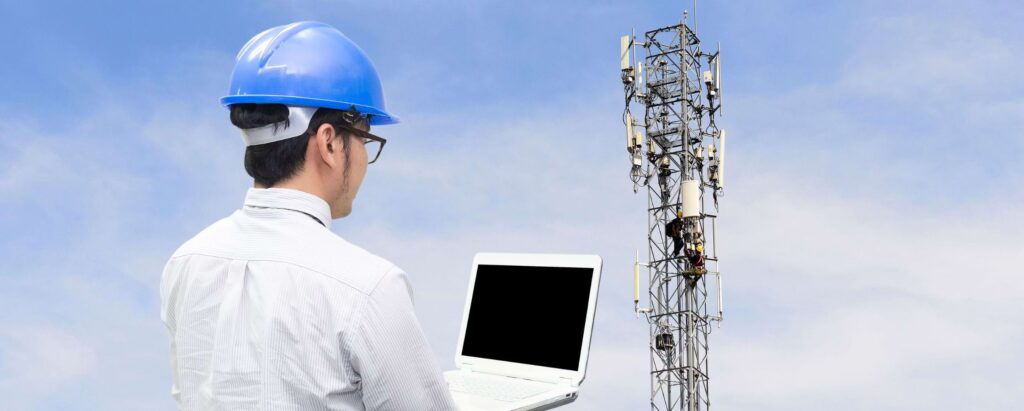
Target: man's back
268, 309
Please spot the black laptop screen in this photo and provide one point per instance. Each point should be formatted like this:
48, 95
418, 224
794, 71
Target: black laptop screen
530, 315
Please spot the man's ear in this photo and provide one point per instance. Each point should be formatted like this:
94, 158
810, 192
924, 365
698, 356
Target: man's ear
327, 145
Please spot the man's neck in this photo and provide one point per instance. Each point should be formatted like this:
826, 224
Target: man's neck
300, 184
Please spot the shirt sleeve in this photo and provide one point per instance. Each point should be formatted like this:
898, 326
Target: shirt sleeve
388, 350
168, 294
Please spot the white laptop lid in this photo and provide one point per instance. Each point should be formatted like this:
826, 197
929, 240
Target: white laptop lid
530, 316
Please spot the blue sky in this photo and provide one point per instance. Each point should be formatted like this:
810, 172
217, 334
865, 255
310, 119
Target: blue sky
871, 232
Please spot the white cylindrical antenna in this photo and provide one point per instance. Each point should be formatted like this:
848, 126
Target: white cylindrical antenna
638, 140
640, 76
691, 198
637, 147
625, 42
718, 78
636, 284
629, 133
718, 68
632, 42
711, 153
721, 310
636, 277
721, 158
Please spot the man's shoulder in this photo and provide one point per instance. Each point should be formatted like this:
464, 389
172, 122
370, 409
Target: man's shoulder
202, 240
320, 251
347, 261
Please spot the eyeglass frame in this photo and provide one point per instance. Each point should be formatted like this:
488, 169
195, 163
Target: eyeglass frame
367, 135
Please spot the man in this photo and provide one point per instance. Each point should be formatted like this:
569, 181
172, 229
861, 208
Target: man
674, 230
268, 309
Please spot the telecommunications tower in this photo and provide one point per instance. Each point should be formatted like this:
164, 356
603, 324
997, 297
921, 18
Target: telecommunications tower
677, 152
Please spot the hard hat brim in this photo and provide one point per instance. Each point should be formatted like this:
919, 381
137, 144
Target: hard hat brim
377, 117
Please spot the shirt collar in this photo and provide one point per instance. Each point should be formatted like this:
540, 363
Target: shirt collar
288, 199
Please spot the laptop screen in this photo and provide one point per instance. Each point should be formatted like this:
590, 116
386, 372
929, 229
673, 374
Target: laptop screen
529, 315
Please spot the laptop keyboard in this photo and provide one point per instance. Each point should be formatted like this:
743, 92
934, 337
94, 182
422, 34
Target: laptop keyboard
504, 389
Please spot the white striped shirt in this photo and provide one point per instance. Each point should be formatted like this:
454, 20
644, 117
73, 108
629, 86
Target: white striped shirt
267, 309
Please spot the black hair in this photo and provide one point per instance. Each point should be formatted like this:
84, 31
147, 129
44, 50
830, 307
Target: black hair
271, 163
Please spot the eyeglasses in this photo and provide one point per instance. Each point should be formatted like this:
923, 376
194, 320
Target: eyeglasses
374, 144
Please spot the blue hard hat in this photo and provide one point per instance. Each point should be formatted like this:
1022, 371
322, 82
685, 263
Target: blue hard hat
307, 64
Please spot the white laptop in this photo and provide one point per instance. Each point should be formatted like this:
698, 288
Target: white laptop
525, 335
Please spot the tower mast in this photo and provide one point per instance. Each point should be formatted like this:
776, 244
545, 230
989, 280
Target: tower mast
677, 152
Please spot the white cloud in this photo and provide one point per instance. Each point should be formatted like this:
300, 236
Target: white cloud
912, 57
40, 360
852, 297
30, 167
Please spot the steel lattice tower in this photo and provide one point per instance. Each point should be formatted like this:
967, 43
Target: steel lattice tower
679, 157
